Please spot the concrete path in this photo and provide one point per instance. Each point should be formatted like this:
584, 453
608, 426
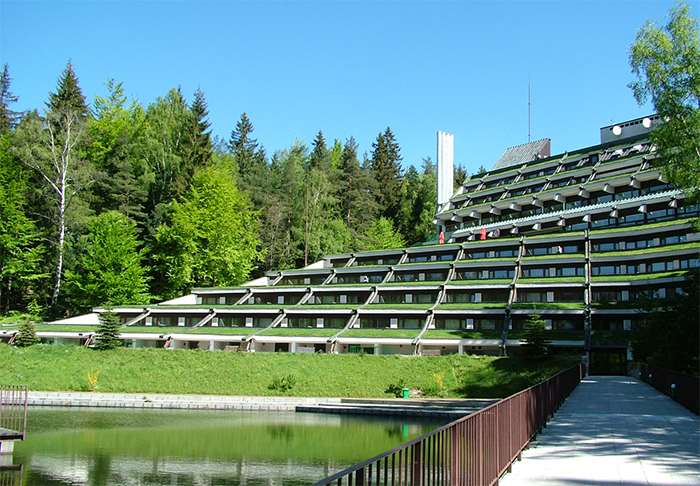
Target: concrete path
613, 430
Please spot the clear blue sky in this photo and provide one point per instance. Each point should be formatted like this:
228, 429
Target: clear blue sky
350, 68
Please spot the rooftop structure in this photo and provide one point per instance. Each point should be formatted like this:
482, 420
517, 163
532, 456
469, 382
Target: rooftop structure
582, 237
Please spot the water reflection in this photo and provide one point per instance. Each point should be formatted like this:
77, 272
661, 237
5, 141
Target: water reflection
110, 447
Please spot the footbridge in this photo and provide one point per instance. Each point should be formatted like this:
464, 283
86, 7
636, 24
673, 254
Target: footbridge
566, 431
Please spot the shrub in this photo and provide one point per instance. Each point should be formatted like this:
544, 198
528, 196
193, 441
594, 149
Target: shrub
283, 383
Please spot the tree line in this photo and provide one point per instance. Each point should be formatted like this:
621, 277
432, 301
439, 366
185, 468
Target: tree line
119, 203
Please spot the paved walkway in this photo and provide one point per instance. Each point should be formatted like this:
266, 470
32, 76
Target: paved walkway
613, 430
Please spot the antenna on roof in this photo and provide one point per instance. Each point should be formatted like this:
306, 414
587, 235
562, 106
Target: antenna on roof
528, 107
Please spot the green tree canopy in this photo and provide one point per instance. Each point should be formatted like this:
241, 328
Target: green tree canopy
213, 236
666, 62
668, 335
383, 236
109, 268
116, 132
20, 248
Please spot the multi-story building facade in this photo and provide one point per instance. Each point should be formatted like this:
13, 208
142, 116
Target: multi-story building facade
581, 237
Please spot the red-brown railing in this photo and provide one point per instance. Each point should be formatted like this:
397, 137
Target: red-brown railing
475, 450
13, 408
684, 389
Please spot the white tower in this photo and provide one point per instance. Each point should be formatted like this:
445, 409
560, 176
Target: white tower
445, 171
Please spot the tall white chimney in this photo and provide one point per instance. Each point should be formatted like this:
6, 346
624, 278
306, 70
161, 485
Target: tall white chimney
445, 170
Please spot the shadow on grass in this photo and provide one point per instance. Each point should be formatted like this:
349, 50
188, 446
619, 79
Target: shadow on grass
506, 376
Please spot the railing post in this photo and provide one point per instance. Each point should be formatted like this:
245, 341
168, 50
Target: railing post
417, 465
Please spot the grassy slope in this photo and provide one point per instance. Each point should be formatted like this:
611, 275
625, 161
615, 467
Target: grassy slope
65, 368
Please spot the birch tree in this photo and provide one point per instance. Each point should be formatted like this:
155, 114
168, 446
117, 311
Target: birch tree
666, 62
50, 145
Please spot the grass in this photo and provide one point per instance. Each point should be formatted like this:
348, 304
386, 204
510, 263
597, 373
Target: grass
381, 333
480, 305
530, 258
643, 276
462, 334
661, 224
527, 280
654, 249
484, 281
549, 305
66, 368
296, 331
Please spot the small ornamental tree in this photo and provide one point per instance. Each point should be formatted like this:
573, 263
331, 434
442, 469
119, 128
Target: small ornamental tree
535, 337
27, 335
108, 331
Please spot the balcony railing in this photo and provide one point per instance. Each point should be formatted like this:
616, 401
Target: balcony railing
474, 450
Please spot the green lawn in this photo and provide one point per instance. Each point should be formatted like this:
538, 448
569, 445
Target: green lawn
66, 368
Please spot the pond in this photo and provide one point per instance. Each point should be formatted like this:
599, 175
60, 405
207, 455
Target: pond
117, 447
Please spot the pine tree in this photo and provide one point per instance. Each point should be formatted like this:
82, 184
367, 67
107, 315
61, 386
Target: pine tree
354, 191
8, 118
244, 148
197, 149
27, 335
386, 166
68, 96
535, 337
108, 331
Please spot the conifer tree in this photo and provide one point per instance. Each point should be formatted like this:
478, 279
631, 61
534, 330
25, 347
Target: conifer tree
68, 96
354, 191
8, 118
386, 166
197, 149
244, 148
534, 337
108, 331
27, 335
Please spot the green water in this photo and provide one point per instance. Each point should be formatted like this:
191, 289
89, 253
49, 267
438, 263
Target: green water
110, 447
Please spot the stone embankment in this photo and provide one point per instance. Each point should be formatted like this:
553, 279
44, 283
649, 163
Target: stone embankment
149, 400
436, 409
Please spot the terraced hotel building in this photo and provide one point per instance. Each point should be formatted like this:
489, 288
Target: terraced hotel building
582, 237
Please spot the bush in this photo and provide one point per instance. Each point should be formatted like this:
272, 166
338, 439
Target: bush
283, 383
396, 389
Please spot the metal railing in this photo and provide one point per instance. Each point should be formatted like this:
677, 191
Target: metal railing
684, 389
474, 450
13, 408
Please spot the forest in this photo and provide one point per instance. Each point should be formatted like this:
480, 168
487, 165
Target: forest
117, 202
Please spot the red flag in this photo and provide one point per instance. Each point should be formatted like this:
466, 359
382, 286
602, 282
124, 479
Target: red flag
442, 237
483, 233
